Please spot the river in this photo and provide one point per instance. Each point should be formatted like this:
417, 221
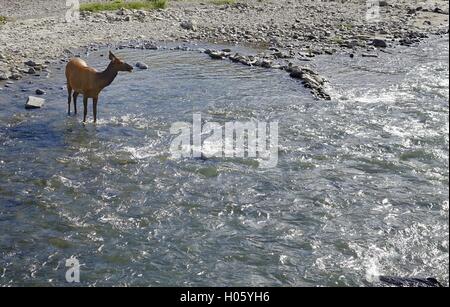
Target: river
360, 188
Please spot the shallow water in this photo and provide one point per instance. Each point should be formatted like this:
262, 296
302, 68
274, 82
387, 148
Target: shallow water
361, 186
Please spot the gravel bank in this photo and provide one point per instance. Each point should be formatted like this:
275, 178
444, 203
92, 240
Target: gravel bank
294, 31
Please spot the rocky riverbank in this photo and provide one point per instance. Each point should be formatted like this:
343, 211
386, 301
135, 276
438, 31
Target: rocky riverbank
290, 32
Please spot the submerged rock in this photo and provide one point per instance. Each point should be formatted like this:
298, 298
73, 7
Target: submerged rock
34, 103
141, 65
311, 80
217, 55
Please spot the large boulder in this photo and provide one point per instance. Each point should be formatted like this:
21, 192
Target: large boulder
34, 103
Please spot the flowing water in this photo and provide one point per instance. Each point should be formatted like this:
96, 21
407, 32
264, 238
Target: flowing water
360, 189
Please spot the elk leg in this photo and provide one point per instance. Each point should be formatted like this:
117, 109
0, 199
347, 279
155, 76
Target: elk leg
95, 109
69, 91
75, 96
85, 105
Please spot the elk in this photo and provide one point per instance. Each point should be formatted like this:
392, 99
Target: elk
85, 80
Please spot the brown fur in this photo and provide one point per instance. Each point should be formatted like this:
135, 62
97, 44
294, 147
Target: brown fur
85, 80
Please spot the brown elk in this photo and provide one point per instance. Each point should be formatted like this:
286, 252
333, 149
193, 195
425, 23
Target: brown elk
85, 80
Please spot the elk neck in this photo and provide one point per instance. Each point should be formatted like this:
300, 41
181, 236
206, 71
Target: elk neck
107, 76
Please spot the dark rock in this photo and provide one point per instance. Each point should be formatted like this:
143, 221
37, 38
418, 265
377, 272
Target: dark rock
379, 43
40, 92
31, 63
31, 71
411, 282
440, 11
266, 64
369, 55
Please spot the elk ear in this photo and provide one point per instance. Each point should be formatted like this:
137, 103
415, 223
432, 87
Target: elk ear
112, 57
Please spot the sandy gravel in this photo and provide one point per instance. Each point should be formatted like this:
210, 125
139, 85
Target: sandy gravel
36, 29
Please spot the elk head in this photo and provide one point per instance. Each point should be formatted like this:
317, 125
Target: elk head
118, 64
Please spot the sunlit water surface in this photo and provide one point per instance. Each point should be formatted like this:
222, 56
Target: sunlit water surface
360, 189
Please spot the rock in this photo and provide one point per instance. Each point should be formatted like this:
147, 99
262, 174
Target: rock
123, 12
40, 92
310, 80
141, 65
368, 55
379, 43
266, 64
188, 25
411, 11
350, 44
31, 63
439, 11
34, 103
150, 46
4, 75
411, 282
237, 58
15, 76
281, 55
217, 55
31, 71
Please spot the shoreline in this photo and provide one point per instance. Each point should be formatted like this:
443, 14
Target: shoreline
291, 38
